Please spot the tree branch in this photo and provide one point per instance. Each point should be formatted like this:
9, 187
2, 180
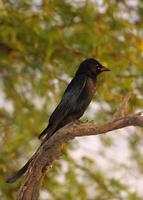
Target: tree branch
51, 149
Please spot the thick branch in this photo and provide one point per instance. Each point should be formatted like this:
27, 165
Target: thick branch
51, 150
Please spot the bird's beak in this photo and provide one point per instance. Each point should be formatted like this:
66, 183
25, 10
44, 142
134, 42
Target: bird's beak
104, 69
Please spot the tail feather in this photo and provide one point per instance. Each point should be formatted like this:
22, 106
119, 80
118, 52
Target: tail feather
22, 171
46, 133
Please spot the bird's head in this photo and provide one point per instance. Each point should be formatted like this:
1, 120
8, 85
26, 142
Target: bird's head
91, 68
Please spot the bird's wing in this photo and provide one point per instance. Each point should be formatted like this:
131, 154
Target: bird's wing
69, 99
66, 106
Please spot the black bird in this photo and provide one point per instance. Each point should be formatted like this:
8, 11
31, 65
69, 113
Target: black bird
74, 102
76, 97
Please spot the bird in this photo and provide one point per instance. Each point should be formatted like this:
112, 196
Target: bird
76, 98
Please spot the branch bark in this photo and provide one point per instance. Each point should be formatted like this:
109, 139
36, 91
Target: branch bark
51, 149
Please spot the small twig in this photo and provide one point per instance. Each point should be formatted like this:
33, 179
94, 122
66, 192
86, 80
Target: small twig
122, 111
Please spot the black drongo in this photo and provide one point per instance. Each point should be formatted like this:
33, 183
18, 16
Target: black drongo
74, 102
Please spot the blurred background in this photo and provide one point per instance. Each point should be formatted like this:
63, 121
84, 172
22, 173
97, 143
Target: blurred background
42, 42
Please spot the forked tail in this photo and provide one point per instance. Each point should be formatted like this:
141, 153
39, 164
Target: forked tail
46, 134
16, 176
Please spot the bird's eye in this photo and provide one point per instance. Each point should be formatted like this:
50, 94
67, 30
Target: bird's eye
98, 67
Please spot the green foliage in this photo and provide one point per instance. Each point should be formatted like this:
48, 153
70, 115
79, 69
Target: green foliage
41, 42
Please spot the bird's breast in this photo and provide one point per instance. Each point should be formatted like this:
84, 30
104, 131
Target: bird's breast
87, 94
90, 87
84, 98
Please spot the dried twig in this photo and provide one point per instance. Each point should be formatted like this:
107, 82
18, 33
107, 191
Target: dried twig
122, 111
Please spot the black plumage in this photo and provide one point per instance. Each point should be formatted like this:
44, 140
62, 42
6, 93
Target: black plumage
74, 102
76, 97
